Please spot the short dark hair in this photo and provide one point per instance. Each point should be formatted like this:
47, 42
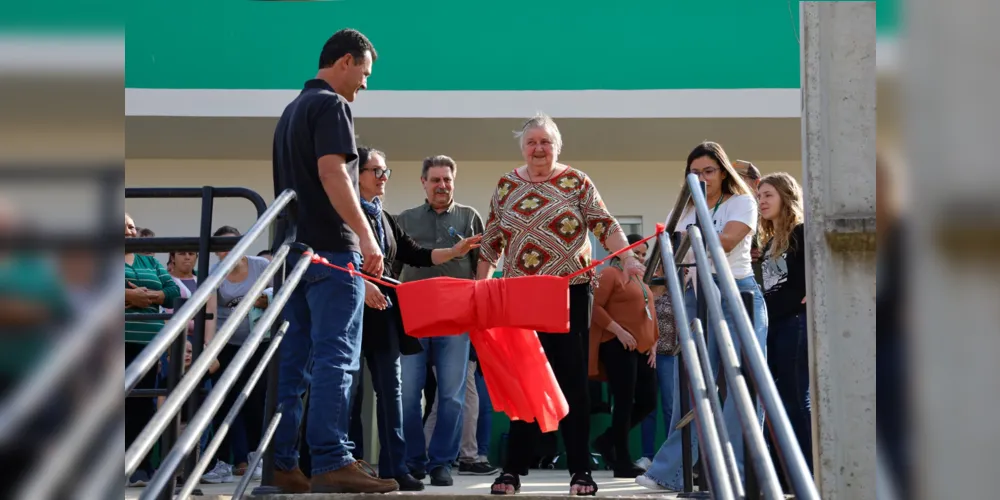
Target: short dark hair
438, 161
227, 230
633, 238
365, 154
344, 42
145, 232
263, 253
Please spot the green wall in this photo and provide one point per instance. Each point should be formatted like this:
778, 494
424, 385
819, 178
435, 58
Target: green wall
463, 45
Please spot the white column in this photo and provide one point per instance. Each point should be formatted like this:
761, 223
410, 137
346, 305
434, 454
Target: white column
838, 138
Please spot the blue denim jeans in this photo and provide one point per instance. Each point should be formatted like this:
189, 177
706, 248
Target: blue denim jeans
450, 358
484, 427
386, 370
667, 469
788, 360
665, 381
324, 315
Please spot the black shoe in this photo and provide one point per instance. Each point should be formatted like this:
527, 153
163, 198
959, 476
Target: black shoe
477, 469
418, 474
409, 483
441, 476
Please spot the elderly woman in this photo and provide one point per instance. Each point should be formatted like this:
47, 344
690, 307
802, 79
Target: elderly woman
383, 339
539, 217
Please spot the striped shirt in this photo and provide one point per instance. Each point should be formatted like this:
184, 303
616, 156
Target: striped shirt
147, 272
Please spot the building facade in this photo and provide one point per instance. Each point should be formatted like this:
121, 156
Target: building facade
633, 88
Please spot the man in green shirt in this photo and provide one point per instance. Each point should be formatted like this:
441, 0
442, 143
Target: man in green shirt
438, 223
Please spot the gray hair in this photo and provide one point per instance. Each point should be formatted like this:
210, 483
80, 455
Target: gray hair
545, 122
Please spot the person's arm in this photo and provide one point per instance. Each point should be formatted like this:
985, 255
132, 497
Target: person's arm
335, 148
494, 241
170, 291
211, 307
605, 227
408, 251
606, 283
785, 298
742, 220
477, 229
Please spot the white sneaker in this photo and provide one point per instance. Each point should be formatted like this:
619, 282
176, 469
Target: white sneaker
258, 471
221, 473
647, 482
643, 463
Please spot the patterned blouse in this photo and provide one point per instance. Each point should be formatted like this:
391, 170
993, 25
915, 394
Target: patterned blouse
542, 226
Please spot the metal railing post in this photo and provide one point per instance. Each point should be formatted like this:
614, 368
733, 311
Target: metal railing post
791, 453
271, 402
750, 480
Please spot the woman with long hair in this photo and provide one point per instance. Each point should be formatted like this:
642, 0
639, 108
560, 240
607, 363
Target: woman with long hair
783, 266
734, 217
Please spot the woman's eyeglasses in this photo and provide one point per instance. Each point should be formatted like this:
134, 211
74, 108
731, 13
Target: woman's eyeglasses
380, 172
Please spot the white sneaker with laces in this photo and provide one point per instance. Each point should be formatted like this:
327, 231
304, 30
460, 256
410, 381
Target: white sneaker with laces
221, 473
643, 463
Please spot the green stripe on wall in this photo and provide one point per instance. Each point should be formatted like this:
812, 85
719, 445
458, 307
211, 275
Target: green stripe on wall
462, 45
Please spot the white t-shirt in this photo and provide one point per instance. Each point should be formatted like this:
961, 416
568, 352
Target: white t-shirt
741, 208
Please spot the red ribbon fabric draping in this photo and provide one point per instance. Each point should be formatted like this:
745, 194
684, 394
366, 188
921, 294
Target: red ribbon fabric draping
501, 316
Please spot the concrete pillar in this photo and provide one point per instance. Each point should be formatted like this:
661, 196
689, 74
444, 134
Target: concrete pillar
838, 134
951, 118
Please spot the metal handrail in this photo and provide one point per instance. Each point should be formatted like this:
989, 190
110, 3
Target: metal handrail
781, 429
188, 384
732, 465
64, 360
718, 472
151, 353
74, 442
203, 418
737, 387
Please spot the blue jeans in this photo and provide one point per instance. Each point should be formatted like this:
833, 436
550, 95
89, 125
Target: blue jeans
385, 367
665, 381
788, 360
667, 469
450, 358
324, 315
484, 428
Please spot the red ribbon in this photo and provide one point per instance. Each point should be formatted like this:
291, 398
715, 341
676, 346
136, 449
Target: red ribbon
501, 316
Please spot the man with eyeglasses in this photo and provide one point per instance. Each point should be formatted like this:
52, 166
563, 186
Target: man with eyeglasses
438, 223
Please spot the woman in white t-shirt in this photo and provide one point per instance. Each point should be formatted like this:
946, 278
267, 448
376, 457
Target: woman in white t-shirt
734, 217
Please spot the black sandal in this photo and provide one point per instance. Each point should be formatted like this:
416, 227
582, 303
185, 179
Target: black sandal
506, 479
583, 479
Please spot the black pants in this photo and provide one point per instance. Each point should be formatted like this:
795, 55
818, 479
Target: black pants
245, 432
139, 411
567, 353
633, 386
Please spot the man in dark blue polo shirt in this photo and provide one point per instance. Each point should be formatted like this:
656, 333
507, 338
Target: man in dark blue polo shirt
315, 154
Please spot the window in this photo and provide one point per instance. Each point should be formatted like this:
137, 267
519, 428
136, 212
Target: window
629, 225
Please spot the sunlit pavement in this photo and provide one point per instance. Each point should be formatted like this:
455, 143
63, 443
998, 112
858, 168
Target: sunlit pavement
540, 483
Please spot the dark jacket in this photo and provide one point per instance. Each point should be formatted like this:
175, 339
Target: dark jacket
401, 248
784, 298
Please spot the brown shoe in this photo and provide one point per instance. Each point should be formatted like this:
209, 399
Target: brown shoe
352, 478
291, 481
240, 469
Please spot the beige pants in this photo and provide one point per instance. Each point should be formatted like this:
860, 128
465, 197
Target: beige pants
469, 449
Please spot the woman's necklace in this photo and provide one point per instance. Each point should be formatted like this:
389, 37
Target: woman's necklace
547, 179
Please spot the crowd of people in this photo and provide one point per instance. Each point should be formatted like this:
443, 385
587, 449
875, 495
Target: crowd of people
432, 408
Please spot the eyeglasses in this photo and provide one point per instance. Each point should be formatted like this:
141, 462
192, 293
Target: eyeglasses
707, 172
380, 172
